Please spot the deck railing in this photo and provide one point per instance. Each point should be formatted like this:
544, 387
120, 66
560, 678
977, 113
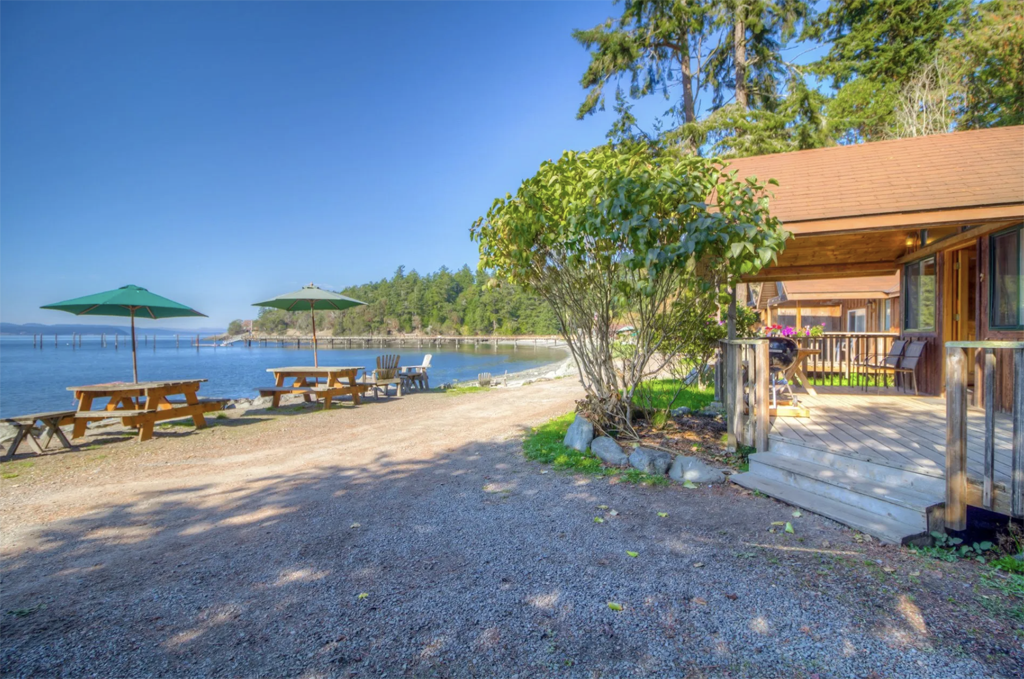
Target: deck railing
842, 355
741, 383
956, 430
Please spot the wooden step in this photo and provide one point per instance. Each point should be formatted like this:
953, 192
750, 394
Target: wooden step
885, 528
899, 502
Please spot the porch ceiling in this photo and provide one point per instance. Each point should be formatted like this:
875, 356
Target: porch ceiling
815, 256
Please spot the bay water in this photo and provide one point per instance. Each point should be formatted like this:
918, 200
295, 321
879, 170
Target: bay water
34, 379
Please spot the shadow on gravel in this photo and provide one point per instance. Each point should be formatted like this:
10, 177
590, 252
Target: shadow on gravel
472, 563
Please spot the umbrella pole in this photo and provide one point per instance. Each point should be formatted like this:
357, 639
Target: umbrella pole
312, 315
135, 365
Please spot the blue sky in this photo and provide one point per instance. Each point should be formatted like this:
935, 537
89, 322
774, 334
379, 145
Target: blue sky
223, 153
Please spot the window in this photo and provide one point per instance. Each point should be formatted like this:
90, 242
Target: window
856, 320
1006, 294
920, 294
887, 316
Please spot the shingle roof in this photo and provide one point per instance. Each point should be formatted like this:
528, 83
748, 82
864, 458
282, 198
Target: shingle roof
944, 171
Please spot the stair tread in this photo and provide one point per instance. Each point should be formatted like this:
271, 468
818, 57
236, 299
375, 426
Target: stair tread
912, 498
882, 527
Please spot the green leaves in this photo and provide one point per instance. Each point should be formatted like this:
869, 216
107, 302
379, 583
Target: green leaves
614, 606
632, 554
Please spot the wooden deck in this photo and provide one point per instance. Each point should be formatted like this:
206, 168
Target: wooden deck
890, 428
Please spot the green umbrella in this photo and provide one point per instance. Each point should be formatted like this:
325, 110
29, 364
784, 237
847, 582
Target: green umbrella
127, 301
314, 299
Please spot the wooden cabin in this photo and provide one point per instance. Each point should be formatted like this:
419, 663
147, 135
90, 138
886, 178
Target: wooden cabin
943, 216
943, 213
867, 304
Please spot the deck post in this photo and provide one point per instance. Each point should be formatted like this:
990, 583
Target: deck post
733, 396
956, 439
1017, 450
761, 396
989, 358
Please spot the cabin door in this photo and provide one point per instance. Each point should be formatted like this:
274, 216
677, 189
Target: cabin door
964, 303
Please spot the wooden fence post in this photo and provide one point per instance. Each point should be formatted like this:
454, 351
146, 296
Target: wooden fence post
1017, 450
761, 390
989, 358
956, 439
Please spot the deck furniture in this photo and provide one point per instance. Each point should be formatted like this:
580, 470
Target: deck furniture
49, 423
908, 364
416, 375
796, 371
889, 363
385, 375
338, 381
142, 404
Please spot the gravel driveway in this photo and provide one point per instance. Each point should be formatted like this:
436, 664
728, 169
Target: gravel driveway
411, 538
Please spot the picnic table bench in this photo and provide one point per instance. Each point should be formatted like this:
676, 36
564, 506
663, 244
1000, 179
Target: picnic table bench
50, 424
142, 404
338, 381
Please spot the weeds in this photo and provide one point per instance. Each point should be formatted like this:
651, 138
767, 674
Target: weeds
948, 548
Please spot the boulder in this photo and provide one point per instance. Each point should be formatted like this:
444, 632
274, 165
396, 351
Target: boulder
580, 434
713, 409
654, 462
263, 402
694, 470
608, 451
682, 410
7, 431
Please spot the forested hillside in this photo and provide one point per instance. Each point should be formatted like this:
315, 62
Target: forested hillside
459, 303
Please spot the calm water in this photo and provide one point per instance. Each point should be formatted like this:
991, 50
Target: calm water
36, 380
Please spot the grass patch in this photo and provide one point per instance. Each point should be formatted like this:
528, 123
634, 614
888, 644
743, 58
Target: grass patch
658, 395
544, 444
458, 391
643, 478
220, 416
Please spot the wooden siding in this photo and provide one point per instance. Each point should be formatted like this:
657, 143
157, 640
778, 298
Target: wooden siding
1004, 358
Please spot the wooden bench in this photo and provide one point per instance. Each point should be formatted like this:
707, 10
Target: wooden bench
319, 392
51, 423
144, 419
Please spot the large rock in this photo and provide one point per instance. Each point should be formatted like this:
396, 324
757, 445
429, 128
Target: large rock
608, 451
7, 432
713, 409
654, 462
681, 410
691, 469
580, 434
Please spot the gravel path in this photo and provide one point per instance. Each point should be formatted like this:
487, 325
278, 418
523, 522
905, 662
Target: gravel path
246, 549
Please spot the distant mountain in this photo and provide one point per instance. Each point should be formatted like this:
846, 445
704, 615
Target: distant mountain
84, 329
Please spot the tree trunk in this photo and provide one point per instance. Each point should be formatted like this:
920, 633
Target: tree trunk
740, 56
689, 115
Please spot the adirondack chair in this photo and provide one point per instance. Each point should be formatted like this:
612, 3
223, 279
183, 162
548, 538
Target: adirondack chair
416, 375
385, 375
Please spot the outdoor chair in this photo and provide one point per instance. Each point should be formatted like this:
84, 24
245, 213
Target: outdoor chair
416, 375
384, 376
889, 363
908, 364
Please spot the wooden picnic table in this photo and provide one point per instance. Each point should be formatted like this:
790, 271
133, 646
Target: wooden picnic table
338, 381
50, 424
141, 404
796, 371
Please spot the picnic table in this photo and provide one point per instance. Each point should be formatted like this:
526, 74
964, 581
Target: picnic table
50, 423
142, 404
796, 372
338, 381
